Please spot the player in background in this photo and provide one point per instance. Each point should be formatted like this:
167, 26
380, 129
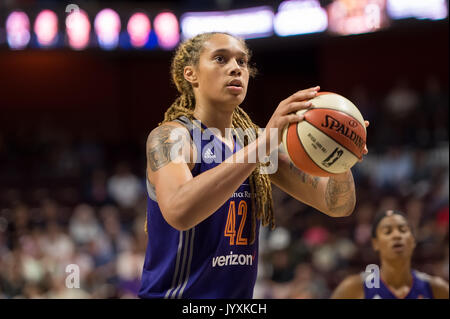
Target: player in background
393, 239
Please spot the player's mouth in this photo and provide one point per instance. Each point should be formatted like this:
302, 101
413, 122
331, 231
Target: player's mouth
398, 247
235, 86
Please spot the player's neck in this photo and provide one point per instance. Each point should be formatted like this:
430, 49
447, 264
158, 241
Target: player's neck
396, 273
214, 117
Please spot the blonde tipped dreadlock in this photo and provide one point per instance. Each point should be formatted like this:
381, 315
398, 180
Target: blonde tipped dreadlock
188, 53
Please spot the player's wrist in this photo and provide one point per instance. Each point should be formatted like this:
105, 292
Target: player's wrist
344, 176
268, 142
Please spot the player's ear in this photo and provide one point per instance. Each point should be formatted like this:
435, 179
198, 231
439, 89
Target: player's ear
190, 75
413, 242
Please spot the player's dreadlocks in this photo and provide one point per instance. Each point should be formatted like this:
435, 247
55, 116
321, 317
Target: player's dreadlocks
188, 53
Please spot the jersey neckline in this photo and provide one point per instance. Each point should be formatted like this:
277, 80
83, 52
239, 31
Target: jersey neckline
204, 127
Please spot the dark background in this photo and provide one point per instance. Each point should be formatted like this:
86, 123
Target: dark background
124, 94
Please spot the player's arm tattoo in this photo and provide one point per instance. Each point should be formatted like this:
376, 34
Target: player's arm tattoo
159, 147
303, 177
340, 196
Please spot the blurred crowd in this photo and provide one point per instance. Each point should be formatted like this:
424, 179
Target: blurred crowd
407, 168
68, 200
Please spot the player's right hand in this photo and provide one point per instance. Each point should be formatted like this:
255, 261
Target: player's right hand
285, 113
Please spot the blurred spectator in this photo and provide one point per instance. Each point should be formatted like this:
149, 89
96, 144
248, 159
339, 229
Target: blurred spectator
96, 192
422, 172
307, 284
83, 225
124, 187
120, 241
401, 101
57, 244
12, 282
414, 211
388, 202
129, 269
281, 266
91, 153
363, 229
394, 170
435, 110
333, 253
59, 290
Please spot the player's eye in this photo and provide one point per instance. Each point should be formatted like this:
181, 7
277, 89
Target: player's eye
242, 62
219, 58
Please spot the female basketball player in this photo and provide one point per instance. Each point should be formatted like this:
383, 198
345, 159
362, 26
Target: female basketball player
393, 239
203, 215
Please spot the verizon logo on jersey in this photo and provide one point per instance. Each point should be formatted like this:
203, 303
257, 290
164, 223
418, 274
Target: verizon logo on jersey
232, 260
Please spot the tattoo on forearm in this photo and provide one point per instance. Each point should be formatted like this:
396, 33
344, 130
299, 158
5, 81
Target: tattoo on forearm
305, 178
340, 195
158, 147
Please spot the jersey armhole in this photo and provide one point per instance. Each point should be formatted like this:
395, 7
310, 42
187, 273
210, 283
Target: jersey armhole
183, 120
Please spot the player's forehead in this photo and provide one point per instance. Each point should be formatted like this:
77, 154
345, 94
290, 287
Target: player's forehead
224, 43
392, 221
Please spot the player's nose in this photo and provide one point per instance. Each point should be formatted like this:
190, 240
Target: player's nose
235, 69
397, 235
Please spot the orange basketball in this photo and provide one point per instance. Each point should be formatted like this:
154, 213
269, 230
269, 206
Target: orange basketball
331, 138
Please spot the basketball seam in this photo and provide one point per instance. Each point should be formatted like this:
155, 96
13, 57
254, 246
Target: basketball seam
327, 108
306, 152
286, 144
333, 139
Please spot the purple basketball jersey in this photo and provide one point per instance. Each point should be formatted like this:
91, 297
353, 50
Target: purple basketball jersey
214, 259
420, 289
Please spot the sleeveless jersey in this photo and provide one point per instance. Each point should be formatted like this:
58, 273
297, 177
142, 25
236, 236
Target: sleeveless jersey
420, 289
213, 259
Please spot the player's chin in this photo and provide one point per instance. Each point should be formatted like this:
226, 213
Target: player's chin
235, 99
400, 253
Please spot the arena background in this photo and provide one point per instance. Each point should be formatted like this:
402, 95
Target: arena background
73, 126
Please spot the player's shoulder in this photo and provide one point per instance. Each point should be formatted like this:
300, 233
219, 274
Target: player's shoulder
166, 131
429, 278
168, 142
168, 126
350, 288
438, 285
355, 280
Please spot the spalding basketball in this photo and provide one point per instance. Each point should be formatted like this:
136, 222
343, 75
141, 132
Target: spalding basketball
330, 139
